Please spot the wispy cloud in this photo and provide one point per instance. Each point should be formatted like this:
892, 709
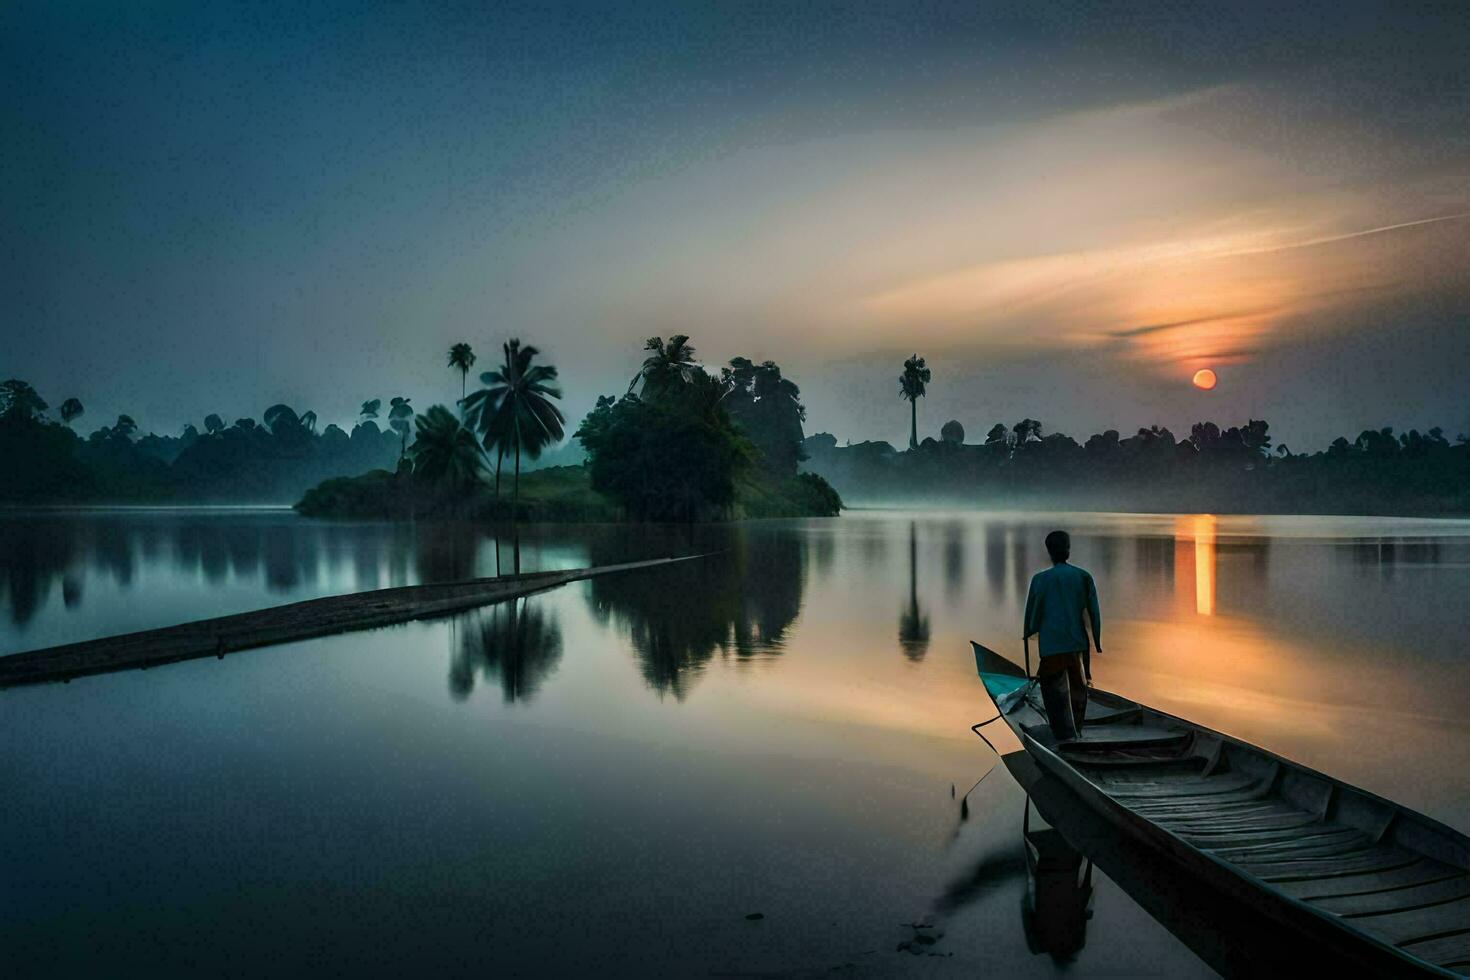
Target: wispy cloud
1345, 236
1142, 231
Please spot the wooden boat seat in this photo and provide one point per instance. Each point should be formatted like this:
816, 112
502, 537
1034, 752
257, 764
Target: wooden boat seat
1101, 714
1123, 737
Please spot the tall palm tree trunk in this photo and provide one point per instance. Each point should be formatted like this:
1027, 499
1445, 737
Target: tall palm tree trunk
515, 502
913, 423
499, 455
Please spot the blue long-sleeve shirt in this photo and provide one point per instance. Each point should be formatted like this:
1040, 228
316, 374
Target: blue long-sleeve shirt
1054, 607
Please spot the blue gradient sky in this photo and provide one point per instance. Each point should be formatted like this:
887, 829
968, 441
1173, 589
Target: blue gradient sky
215, 207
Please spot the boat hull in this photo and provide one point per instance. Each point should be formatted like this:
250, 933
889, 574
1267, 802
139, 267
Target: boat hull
1258, 786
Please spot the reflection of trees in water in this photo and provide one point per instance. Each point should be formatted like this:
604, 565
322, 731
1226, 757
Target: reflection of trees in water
113, 549
954, 560
1237, 591
71, 591
194, 546
444, 552
516, 645
995, 559
283, 553
873, 544
742, 600
1383, 554
823, 550
913, 622
30, 562
1153, 556
290, 558
1021, 570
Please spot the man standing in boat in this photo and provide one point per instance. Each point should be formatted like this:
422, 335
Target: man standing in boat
1054, 607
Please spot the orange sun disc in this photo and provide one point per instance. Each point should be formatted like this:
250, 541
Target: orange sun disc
1204, 379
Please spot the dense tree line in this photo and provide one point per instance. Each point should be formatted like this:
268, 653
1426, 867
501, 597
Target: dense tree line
248, 461
1232, 469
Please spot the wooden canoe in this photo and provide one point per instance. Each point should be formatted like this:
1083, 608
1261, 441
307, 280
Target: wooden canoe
1373, 883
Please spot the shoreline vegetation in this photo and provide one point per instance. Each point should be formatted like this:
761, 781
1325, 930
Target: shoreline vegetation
1213, 470
683, 444
686, 443
555, 495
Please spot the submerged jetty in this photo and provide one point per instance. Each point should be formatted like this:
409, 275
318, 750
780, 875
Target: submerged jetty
283, 624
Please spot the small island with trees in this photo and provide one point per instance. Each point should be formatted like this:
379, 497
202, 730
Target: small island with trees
680, 445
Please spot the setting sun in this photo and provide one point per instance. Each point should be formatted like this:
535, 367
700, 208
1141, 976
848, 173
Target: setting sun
1204, 379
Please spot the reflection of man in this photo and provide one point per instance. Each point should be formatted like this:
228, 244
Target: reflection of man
1054, 608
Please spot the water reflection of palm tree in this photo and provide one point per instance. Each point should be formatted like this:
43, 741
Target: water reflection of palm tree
515, 644
913, 623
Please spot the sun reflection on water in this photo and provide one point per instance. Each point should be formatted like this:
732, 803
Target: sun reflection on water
1204, 564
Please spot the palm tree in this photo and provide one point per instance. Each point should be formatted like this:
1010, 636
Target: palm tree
515, 410
460, 356
446, 451
71, 409
515, 643
370, 408
280, 418
398, 415
665, 364
911, 385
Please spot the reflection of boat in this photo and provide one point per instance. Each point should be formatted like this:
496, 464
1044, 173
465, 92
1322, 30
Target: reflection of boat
1372, 885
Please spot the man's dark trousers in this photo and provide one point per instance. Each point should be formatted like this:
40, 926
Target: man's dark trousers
1064, 692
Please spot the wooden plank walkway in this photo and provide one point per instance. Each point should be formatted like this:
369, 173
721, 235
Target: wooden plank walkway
282, 624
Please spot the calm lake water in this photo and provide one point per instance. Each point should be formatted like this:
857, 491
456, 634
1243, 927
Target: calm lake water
611, 776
